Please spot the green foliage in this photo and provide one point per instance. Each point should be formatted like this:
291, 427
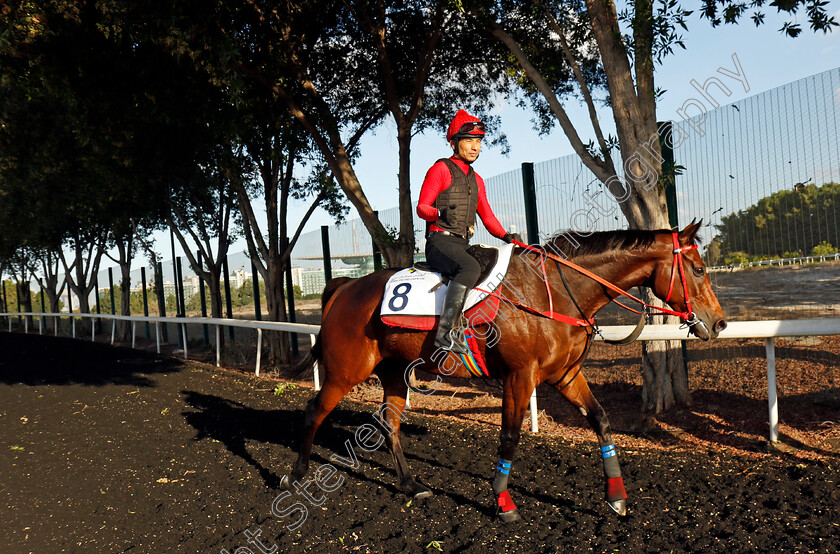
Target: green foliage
135, 301
824, 248
784, 224
281, 388
736, 258
10, 288
731, 11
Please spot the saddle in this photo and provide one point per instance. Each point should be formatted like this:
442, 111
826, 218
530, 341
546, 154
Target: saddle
486, 256
414, 296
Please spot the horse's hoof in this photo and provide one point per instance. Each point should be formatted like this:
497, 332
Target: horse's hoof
422, 494
619, 506
285, 485
416, 490
510, 516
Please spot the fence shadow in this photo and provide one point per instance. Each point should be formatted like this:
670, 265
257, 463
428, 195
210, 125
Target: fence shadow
43, 360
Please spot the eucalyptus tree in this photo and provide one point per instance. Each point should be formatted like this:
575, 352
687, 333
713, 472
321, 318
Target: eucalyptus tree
430, 62
45, 266
562, 49
203, 218
276, 147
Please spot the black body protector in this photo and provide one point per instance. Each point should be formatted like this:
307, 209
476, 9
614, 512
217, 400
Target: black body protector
457, 204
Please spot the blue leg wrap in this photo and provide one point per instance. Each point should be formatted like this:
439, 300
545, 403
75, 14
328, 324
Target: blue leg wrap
500, 481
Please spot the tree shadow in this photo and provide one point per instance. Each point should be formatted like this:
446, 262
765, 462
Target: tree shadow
722, 418
43, 360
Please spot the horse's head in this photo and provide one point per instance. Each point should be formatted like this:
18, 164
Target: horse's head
688, 289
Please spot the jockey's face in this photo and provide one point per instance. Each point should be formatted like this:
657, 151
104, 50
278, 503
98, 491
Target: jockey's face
467, 149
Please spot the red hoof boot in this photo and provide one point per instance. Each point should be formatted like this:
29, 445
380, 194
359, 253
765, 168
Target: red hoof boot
507, 511
616, 495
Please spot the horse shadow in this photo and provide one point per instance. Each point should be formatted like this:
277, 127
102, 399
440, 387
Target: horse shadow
253, 434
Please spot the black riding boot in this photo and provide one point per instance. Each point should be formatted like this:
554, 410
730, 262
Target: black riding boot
453, 303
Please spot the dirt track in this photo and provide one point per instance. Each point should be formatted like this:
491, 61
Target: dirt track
112, 450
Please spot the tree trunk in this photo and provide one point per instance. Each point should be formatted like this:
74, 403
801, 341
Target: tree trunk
644, 204
275, 299
25, 297
125, 296
404, 248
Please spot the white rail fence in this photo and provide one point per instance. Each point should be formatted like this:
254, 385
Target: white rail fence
768, 330
802, 260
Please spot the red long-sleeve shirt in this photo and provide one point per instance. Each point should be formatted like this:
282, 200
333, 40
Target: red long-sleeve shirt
437, 180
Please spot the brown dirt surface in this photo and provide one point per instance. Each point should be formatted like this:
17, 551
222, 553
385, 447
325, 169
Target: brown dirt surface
113, 450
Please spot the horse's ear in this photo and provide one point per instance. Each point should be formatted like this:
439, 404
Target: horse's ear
689, 234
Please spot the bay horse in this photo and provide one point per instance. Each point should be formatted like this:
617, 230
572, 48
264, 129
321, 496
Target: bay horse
526, 351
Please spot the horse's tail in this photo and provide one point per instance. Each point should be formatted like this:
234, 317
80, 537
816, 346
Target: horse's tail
304, 367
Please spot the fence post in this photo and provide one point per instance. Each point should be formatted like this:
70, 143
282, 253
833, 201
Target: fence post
96, 292
315, 375
772, 399
3, 298
184, 331
111, 290
535, 427
670, 179
529, 190
259, 350
325, 245
255, 280
161, 299
218, 347
202, 296
290, 293
43, 309
70, 310
377, 255
145, 300
18, 291
228, 299
179, 290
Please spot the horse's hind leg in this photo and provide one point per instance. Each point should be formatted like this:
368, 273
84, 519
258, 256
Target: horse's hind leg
391, 415
578, 393
316, 411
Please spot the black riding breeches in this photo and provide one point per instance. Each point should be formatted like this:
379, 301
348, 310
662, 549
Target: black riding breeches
448, 254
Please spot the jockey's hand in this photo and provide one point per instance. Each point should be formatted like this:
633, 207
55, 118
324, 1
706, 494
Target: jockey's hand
508, 238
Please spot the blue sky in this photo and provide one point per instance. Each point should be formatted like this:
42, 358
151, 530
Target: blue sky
768, 60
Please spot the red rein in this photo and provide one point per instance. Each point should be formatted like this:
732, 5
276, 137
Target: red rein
678, 263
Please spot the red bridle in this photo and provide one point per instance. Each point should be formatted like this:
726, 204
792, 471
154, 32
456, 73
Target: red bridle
688, 316
678, 262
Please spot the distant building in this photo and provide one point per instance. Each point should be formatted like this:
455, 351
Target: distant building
239, 278
191, 286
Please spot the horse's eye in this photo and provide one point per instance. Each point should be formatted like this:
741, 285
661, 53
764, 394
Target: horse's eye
699, 271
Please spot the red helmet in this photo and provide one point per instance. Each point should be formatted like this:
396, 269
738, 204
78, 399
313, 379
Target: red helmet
464, 125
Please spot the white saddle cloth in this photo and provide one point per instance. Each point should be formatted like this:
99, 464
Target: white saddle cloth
415, 292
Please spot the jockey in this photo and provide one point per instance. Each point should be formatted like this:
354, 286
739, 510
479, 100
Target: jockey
451, 195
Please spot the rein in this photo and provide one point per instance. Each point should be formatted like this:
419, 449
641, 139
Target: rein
688, 316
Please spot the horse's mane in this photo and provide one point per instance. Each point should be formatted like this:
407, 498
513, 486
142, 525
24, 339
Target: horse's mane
574, 245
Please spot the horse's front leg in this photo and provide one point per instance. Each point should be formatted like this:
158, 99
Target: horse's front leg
518, 389
578, 393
